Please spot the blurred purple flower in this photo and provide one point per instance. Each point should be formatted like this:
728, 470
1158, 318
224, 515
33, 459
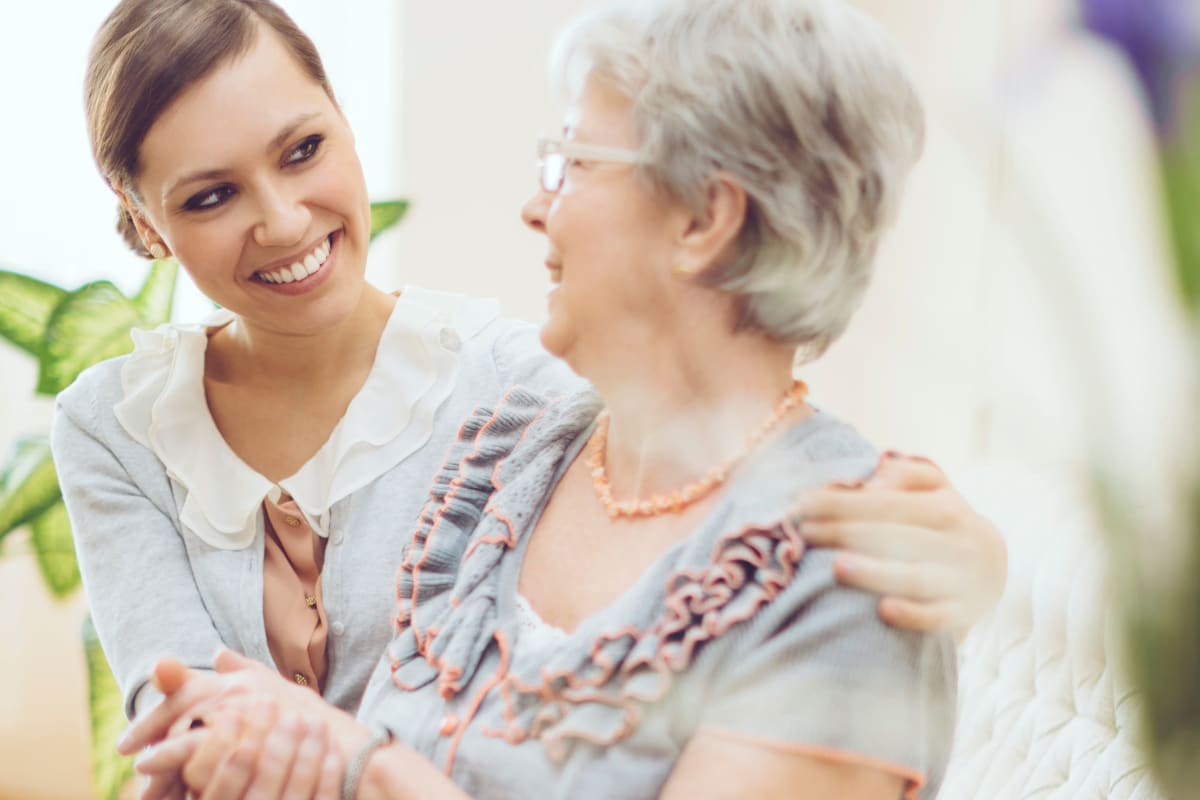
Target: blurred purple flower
1161, 39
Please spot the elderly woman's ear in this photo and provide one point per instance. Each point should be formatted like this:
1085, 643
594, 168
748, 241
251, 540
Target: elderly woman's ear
711, 232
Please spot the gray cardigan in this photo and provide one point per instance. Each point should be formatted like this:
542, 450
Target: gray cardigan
155, 589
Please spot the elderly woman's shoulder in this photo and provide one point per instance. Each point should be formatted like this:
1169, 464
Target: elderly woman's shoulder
820, 449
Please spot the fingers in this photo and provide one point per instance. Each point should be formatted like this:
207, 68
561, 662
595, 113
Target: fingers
907, 473
917, 616
224, 730
306, 774
934, 509
168, 757
153, 726
235, 774
164, 787
916, 581
169, 675
277, 755
881, 539
330, 787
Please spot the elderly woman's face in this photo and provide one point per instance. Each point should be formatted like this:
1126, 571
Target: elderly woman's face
251, 179
610, 242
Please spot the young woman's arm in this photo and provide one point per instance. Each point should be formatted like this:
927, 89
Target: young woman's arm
136, 573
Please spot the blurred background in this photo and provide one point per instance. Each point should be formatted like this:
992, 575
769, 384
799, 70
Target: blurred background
1024, 314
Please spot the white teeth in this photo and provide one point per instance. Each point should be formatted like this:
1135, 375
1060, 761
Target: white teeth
300, 270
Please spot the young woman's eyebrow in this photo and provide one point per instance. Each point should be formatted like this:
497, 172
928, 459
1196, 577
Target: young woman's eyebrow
285, 133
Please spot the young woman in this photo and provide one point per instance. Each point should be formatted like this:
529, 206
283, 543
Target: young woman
246, 482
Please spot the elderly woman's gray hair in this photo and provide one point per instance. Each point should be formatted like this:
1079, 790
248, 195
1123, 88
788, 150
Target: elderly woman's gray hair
806, 102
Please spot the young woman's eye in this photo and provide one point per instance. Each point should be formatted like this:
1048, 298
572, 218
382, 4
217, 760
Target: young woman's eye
305, 150
209, 198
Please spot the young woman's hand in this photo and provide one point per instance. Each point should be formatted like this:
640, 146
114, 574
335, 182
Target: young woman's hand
907, 534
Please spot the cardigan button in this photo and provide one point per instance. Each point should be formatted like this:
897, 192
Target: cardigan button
449, 725
338, 628
337, 537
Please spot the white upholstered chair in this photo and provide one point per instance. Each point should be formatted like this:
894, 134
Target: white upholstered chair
1044, 710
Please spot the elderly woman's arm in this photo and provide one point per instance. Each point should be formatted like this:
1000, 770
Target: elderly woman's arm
907, 534
713, 766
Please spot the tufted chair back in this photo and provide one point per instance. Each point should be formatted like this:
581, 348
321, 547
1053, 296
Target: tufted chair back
1044, 710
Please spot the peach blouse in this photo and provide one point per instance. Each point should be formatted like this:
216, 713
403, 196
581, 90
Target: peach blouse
293, 615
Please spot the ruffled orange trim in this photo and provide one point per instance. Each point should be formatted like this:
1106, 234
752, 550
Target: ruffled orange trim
510, 537
757, 559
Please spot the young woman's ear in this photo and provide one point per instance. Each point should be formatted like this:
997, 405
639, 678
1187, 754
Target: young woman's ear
151, 241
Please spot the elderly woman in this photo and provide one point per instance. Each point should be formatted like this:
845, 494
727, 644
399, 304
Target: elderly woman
609, 593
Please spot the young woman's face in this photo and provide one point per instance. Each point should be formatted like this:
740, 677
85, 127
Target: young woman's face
251, 180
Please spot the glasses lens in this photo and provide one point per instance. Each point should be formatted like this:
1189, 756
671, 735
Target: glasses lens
553, 166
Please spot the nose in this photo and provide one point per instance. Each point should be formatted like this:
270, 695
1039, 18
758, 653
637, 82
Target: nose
284, 219
535, 210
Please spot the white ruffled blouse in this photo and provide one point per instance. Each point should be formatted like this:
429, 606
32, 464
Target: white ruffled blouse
164, 408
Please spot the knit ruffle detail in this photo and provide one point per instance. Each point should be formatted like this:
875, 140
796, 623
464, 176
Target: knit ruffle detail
446, 584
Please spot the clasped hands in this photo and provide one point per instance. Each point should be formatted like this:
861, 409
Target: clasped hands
241, 731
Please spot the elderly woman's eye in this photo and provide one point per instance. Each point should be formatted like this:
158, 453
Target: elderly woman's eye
208, 199
305, 150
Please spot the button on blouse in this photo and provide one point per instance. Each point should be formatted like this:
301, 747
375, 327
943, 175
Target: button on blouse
293, 615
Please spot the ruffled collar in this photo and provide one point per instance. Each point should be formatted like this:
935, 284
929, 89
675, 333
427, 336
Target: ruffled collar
164, 408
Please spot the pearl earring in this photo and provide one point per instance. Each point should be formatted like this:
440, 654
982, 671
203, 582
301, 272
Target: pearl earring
158, 251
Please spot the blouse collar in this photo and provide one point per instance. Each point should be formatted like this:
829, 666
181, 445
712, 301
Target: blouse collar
164, 408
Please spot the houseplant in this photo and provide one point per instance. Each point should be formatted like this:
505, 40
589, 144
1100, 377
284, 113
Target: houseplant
1159, 596
66, 331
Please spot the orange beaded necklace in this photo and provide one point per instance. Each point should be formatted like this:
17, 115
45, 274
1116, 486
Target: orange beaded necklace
692, 492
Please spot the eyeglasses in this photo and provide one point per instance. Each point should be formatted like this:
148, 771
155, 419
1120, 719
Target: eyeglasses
555, 155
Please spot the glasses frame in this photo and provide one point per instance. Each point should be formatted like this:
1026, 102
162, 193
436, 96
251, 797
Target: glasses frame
557, 152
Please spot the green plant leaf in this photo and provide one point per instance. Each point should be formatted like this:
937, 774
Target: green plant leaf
50, 533
157, 295
25, 307
110, 772
386, 214
89, 325
28, 484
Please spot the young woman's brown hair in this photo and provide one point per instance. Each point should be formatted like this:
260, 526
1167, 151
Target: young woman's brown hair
148, 52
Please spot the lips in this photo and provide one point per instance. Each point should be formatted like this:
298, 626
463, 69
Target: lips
301, 267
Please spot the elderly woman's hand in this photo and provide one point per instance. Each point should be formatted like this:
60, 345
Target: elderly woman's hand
909, 535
